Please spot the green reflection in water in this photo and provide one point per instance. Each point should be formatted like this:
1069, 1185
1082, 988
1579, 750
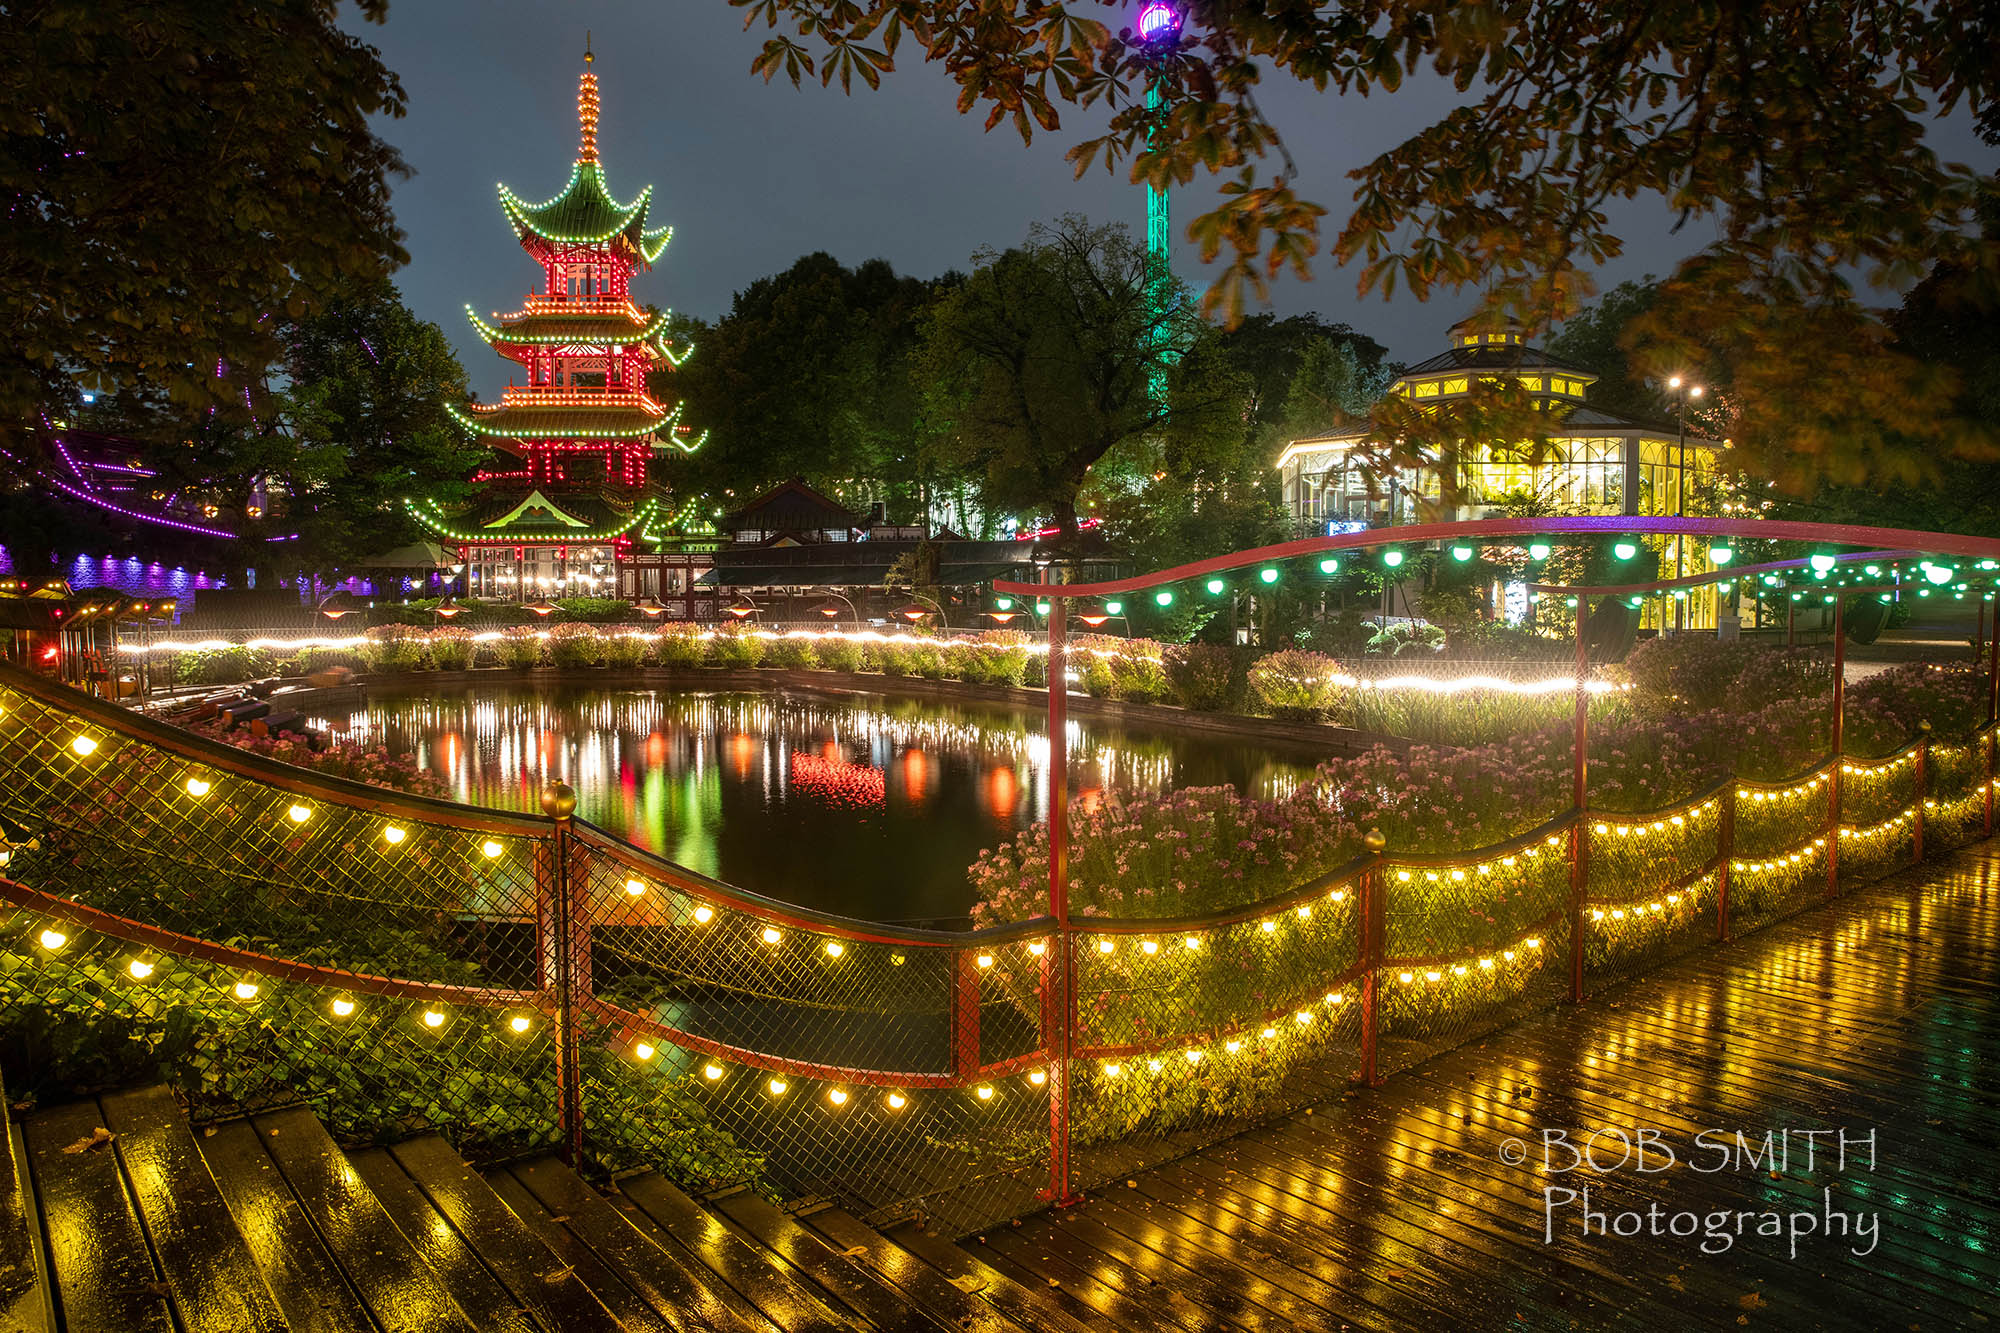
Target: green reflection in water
859, 804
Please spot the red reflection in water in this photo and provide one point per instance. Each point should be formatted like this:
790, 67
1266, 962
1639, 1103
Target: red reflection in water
916, 776
742, 754
836, 781
1003, 792
656, 751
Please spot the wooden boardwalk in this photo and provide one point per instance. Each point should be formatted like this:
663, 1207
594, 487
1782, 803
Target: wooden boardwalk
1398, 1208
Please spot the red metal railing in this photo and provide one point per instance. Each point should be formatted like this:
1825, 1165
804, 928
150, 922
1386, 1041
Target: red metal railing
741, 981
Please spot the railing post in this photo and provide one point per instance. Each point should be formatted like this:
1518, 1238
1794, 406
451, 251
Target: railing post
1725, 860
1986, 753
1579, 846
1374, 884
1833, 783
965, 1016
565, 961
1059, 970
1923, 783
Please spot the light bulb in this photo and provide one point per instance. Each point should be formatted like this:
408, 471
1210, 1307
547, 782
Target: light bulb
299, 814
984, 1092
703, 915
139, 969
1038, 1077
711, 1072
491, 849
837, 1096
342, 1006
197, 787
246, 990
777, 1087
519, 1022
772, 935
834, 948
635, 887
433, 1019
83, 745
53, 939
897, 1101
393, 835
643, 1049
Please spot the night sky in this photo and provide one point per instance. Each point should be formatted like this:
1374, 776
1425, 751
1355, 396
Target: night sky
753, 176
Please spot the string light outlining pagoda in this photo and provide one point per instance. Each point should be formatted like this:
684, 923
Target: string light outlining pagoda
577, 510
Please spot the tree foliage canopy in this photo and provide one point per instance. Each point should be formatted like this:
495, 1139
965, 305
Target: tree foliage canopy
182, 178
1795, 132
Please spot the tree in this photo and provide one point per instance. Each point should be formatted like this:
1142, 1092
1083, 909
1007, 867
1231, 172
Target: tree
808, 375
1038, 375
1796, 132
182, 177
365, 424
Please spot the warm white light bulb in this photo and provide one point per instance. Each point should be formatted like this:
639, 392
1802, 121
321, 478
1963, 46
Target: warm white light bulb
246, 990
772, 935
342, 1006
643, 1049
703, 915
394, 835
197, 787
711, 1072
519, 1022
139, 969
433, 1019
84, 746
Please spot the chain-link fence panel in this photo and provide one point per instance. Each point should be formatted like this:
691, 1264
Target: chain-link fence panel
1188, 1031
1471, 943
892, 1070
1956, 779
1652, 886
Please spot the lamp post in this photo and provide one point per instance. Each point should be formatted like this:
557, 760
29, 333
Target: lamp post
1683, 391
944, 622
1159, 32
829, 610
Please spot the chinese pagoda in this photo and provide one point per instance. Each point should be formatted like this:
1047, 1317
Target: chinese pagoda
574, 510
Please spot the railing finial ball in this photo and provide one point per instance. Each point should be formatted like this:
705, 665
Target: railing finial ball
1374, 841
559, 800
1924, 726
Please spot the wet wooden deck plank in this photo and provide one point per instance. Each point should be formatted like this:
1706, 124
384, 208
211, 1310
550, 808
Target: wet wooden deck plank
1390, 1207
855, 1285
577, 1262
483, 1298
202, 1255
103, 1269
1027, 1306
24, 1296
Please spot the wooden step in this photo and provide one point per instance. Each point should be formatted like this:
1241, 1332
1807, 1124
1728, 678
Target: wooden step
215, 1283
626, 1305
918, 1280
855, 1285
482, 1296
539, 1279
769, 1283
102, 1268
297, 1265
1031, 1307
24, 1288
397, 1286
680, 1294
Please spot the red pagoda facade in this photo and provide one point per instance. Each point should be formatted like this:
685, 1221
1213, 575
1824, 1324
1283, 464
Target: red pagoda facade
575, 508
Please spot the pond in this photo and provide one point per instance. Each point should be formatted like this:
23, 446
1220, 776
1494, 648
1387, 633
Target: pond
866, 805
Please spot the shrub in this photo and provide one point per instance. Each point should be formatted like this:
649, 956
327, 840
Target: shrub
221, 666
1036, 672
624, 650
1296, 684
392, 648
736, 647
891, 658
596, 610
1198, 676
1407, 639
451, 648
791, 653
963, 660
1004, 656
1099, 681
573, 645
840, 654
521, 648
1139, 678
681, 645
927, 659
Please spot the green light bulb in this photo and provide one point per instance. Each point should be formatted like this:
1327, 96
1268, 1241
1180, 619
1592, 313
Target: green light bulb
1538, 550
1215, 587
1330, 565
1720, 555
1821, 562
1940, 574
1461, 553
1041, 608
1115, 608
1268, 574
1165, 597
1392, 557
1625, 549
1004, 603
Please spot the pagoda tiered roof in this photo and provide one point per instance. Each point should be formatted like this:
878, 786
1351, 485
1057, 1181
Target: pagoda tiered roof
585, 213
548, 323
567, 414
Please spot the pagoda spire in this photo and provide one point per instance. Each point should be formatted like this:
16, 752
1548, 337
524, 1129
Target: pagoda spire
586, 108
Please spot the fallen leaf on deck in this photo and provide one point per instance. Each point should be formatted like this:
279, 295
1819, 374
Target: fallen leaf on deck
98, 1138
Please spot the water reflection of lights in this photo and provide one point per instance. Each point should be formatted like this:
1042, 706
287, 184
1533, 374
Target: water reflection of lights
838, 782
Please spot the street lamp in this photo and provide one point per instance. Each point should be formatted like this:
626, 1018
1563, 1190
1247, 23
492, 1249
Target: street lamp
1683, 390
830, 611
741, 609
944, 622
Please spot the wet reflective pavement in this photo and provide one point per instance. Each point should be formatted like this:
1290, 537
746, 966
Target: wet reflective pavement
1452, 1197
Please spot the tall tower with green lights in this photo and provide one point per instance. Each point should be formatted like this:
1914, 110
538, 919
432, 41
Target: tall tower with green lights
580, 504
1158, 28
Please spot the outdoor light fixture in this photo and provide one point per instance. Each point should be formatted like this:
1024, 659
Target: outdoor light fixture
448, 608
1041, 608
1093, 616
1392, 557
1821, 562
1461, 553
540, 608
1330, 565
1216, 587
828, 609
1625, 548
1115, 608
1164, 597
651, 607
336, 612
1268, 574
1004, 603
1159, 23
912, 612
1539, 551
1940, 574
1002, 616
1721, 554
740, 610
